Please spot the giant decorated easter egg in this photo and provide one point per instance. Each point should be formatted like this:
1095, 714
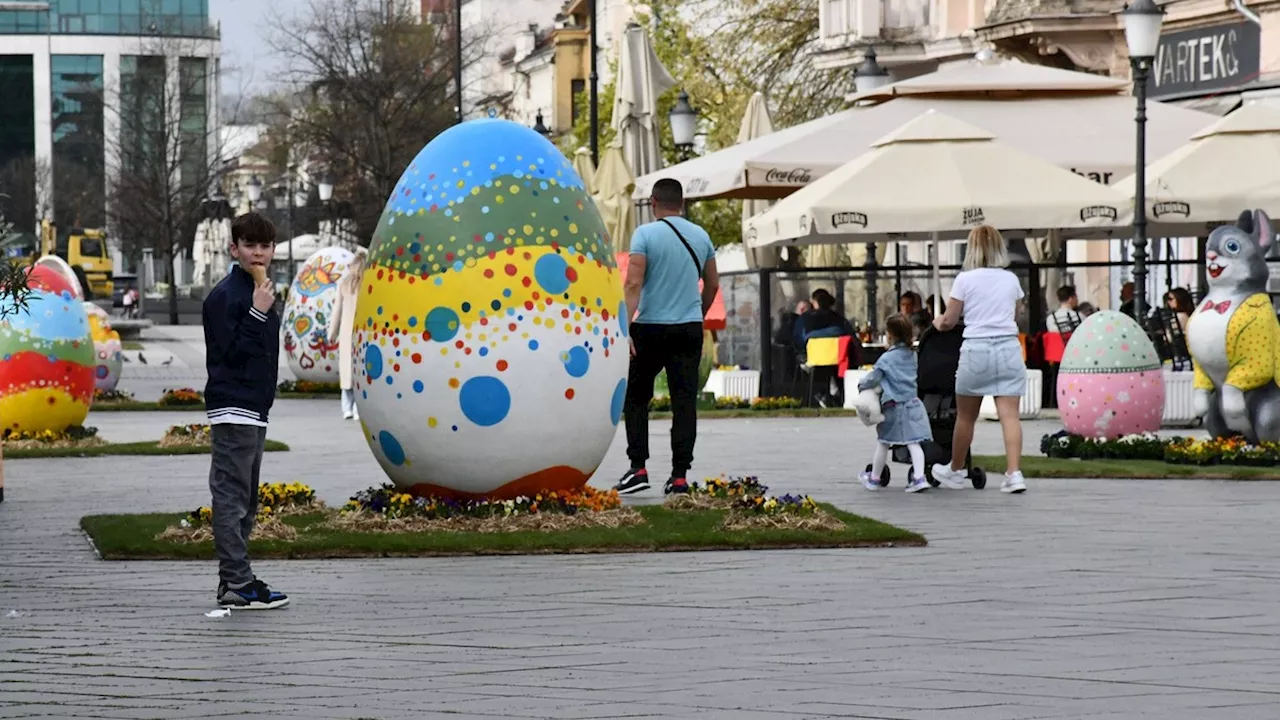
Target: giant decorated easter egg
46, 358
491, 345
309, 313
107, 349
1111, 382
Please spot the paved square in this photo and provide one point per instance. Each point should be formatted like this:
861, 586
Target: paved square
1080, 599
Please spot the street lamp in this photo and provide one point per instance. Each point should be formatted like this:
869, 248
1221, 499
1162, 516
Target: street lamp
254, 187
1142, 21
684, 124
870, 75
539, 127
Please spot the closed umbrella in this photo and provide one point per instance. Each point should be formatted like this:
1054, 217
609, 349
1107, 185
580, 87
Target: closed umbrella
642, 79
614, 183
585, 168
757, 123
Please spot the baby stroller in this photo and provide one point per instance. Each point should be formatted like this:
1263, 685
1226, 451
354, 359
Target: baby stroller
939, 359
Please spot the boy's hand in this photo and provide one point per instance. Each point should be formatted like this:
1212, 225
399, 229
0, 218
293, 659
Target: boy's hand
263, 297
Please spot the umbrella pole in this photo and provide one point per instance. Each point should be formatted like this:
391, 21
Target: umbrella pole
936, 280
595, 84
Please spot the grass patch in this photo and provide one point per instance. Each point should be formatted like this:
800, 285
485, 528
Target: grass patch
142, 406
137, 448
132, 537
308, 395
720, 414
1045, 467
131, 345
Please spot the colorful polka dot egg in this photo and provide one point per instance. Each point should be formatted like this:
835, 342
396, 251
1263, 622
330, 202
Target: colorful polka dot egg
107, 348
490, 340
46, 357
309, 313
1111, 383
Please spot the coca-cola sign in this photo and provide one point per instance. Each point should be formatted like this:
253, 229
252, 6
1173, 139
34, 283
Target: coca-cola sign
791, 176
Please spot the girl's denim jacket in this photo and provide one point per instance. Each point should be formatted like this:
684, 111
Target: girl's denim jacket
895, 373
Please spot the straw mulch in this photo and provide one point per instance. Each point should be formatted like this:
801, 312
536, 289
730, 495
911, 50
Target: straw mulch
366, 522
88, 442
199, 440
819, 520
273, 528
697, 501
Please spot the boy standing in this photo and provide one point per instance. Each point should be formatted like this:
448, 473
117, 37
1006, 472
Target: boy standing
242, 339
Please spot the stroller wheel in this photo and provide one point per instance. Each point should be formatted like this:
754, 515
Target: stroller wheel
979, 478
928, 475
884, 475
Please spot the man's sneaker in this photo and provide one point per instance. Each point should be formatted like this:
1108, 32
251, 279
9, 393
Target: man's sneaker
254, 596
634, 481
918, 485
675, 486
869, 481
948, 478
1013, 483
222, 590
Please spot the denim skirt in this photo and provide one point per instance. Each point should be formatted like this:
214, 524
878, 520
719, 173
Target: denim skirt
991, 367
904, 423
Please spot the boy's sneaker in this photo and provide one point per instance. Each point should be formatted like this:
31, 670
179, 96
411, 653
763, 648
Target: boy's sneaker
1013, 483
347, 415
634, 481
918, 485
869, 481
948, 478
675, 486
254, 596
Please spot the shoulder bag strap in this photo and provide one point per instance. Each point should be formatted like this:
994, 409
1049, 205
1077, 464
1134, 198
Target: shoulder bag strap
696, 265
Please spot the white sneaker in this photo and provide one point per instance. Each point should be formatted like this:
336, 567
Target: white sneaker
948, 478
868, 481
918, 485
346, 416
1013, 483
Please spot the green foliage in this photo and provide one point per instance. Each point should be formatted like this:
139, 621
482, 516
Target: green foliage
14, 292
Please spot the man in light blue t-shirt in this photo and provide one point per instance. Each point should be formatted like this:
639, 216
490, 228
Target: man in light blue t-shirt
668, 259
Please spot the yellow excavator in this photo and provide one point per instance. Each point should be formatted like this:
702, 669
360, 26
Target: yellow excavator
85, 250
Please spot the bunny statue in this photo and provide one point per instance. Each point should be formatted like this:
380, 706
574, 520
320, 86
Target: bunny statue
1234, 337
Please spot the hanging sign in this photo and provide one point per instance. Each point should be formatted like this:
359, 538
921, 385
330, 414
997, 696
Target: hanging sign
1205, 59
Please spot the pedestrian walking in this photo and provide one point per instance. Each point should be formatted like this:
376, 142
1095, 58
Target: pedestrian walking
342, 326
668, 258
242, 339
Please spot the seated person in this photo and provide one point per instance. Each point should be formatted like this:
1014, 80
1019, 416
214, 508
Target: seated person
909, 303
1067, 317
823, 320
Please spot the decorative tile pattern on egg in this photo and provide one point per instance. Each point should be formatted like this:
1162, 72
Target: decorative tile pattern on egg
1111, 382
309, 313
491, 350
46, 358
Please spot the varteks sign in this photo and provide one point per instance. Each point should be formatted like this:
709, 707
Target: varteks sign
1205, 59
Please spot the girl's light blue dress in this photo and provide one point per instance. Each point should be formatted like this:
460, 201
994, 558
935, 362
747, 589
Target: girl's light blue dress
905, 419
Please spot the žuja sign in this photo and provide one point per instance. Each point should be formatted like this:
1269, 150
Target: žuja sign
1203, 59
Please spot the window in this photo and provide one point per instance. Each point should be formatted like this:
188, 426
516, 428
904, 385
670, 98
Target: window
576, 88
79, 174
189, 18
18, 141
835, 18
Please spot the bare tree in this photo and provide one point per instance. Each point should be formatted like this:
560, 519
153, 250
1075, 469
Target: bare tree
370, 84
166, 154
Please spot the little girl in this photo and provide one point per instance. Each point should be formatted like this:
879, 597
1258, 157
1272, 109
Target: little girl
905, 420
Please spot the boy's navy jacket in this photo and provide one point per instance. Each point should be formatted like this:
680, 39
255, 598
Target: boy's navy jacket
242, 348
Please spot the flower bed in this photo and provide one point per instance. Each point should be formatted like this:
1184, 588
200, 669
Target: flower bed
388, 510
729, 402
112, 396
752, 508
307, 387
1174, 450
276, 501
182, 397
75, 436
187, 435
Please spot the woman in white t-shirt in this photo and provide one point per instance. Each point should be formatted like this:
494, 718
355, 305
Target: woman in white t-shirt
986, 295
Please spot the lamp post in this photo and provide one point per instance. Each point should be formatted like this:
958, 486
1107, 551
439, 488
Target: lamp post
1142, 21
325, 189
457, 57
684, 129
540, 128
594, 99
254, 188
870, 75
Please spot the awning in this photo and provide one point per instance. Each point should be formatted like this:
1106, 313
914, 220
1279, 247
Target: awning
716, 318
1213, 104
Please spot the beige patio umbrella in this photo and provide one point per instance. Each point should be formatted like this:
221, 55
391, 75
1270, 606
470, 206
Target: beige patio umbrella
1230, 166
585, 168
935, 178
757, 123
1077, 121
641, 80
614, 182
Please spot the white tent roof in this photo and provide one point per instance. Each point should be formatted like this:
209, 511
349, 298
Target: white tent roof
938, 177
1074, 120
1231, 166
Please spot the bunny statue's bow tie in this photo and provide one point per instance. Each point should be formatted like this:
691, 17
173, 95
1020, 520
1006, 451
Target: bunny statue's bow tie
1221, 307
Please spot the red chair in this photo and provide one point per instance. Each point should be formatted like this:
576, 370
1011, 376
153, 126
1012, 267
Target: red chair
1055, 346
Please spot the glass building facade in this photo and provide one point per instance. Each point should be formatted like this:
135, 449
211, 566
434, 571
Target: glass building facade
18, 141
186, 18
79, 147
